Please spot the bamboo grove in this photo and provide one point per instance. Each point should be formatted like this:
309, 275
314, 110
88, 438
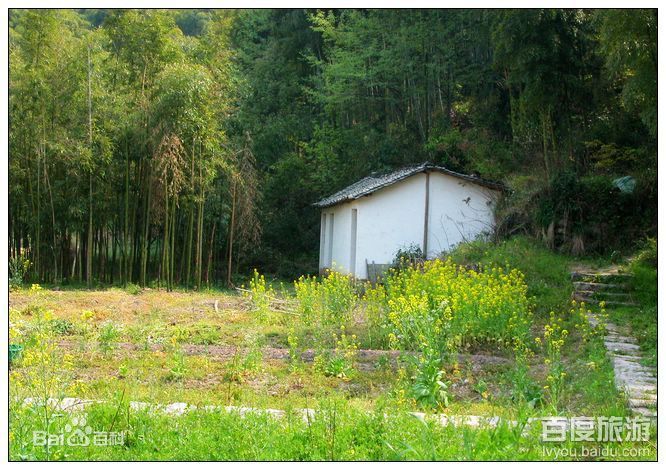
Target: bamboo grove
185, 147
121, 168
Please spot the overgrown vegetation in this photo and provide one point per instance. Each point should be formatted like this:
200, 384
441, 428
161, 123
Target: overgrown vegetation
425, 322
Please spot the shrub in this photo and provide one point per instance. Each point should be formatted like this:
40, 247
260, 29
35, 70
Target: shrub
132, 289
408, 257
18, 268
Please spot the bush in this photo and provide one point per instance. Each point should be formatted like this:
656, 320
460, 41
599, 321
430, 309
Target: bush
407, 257
647, 254
18, 268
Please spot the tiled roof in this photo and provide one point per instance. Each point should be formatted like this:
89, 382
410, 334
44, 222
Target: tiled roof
372, 183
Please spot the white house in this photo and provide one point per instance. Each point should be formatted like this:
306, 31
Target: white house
424, 205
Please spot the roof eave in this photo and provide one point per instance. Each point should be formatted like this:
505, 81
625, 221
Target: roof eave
424, 168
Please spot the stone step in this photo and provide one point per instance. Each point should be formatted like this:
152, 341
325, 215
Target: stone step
621, 347
599, 287
624, 361
645, 412
609, 303
617, 338
619, 330
641, 389
642, 403
601, 278
648, 397
624, 377
613, 296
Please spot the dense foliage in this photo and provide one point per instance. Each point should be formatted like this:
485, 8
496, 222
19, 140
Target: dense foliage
155, 145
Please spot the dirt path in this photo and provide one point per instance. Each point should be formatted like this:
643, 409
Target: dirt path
367, 358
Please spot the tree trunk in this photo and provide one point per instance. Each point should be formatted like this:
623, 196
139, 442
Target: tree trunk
231, 232
210, 254
89, 254
146, 227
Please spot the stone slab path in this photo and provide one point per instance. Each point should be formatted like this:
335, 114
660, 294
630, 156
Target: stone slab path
637, 381
78, 405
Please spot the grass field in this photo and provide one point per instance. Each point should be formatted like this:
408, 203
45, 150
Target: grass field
218, 348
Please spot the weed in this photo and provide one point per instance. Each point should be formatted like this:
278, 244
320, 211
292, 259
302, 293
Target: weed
295, 350
326, 303
429, 387
341, 362
62, 327
107, 336
260, 295
554, 336
178, 367
197, 333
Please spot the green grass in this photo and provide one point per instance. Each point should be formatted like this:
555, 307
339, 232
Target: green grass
336, 432
642, 320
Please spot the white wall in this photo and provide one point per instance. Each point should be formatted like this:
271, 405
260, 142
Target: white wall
459, 211
389, 219
393, 218
337, 254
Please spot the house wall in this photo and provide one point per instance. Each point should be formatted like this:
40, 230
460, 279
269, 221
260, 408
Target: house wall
459, 211
393, 218
336, 254
389, 219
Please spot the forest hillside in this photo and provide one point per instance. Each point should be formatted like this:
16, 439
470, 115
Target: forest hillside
186, 146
